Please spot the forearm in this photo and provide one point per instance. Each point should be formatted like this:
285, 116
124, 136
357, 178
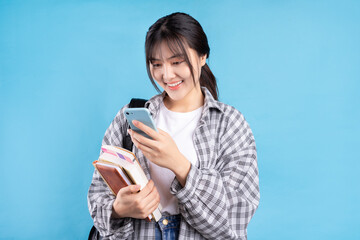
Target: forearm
181, 169
210, 207
204, 208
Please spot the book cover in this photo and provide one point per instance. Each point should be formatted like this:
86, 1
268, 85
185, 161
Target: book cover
114, 177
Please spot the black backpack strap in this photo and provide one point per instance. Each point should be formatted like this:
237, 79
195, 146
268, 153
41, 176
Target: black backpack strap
134, 103
137, 102
94, 234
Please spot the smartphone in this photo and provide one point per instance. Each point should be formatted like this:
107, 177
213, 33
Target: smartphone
142, 115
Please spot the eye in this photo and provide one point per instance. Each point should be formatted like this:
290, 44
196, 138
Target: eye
178, 62
156, 65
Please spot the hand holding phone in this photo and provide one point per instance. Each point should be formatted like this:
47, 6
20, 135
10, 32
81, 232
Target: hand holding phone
142, 115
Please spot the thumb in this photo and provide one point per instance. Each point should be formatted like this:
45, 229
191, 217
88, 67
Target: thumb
129, 190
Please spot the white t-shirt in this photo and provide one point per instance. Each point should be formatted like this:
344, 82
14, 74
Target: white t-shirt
181, 127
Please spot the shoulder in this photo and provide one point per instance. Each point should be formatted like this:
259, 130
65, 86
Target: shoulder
219, 109
153, 104
231, 121
119, 117
229, 111
226, 115
235, 132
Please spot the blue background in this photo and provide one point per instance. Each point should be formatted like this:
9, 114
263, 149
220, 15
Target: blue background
291, 67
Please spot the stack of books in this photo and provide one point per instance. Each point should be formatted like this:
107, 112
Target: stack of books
120, 168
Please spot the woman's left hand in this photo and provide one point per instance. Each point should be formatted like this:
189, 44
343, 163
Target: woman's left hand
161, 150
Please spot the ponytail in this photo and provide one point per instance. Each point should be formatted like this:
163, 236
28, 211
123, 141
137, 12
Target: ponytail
208, 80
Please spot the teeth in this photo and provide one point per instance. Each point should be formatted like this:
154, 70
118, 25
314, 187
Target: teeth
174, 84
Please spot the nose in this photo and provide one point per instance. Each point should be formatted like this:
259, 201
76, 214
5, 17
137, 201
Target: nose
168, 73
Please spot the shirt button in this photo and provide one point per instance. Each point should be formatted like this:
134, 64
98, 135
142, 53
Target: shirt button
165, 222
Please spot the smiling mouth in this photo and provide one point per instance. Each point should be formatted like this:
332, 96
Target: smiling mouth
174, 84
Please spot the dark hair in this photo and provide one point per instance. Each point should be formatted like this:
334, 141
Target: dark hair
178, 30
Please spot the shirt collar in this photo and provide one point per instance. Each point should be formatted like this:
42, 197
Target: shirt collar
210, 102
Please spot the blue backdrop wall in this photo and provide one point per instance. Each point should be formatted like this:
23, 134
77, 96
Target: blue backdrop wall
291, 67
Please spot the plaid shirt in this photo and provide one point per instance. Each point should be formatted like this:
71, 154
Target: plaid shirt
221, 192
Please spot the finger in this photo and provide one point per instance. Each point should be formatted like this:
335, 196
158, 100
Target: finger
146, 150
141, 139
133, 139
151, 207
154, 196
152, 199
154, 205
162, 132
148, 130
147, 189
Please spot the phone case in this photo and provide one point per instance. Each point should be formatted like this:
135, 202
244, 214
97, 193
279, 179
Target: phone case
142, 115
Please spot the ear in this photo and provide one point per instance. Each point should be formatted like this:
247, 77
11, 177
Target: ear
203, 59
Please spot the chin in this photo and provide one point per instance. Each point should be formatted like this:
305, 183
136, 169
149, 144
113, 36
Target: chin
175, 97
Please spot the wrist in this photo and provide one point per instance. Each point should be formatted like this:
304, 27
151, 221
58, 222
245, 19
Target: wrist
115, 213
182, 170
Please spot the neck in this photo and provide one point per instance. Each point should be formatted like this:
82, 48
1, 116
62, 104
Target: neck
185, 104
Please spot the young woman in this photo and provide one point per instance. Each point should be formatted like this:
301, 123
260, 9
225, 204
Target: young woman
202, 162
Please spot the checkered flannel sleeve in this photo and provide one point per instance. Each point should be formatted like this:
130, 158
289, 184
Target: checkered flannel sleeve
219, 198
100, 198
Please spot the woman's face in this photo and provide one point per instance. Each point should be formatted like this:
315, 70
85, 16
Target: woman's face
173, 74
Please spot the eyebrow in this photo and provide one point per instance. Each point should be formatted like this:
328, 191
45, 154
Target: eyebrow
172, 57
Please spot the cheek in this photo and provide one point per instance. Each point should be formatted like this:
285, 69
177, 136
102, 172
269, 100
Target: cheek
185, 72
197, 70
155, 74
157, 77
